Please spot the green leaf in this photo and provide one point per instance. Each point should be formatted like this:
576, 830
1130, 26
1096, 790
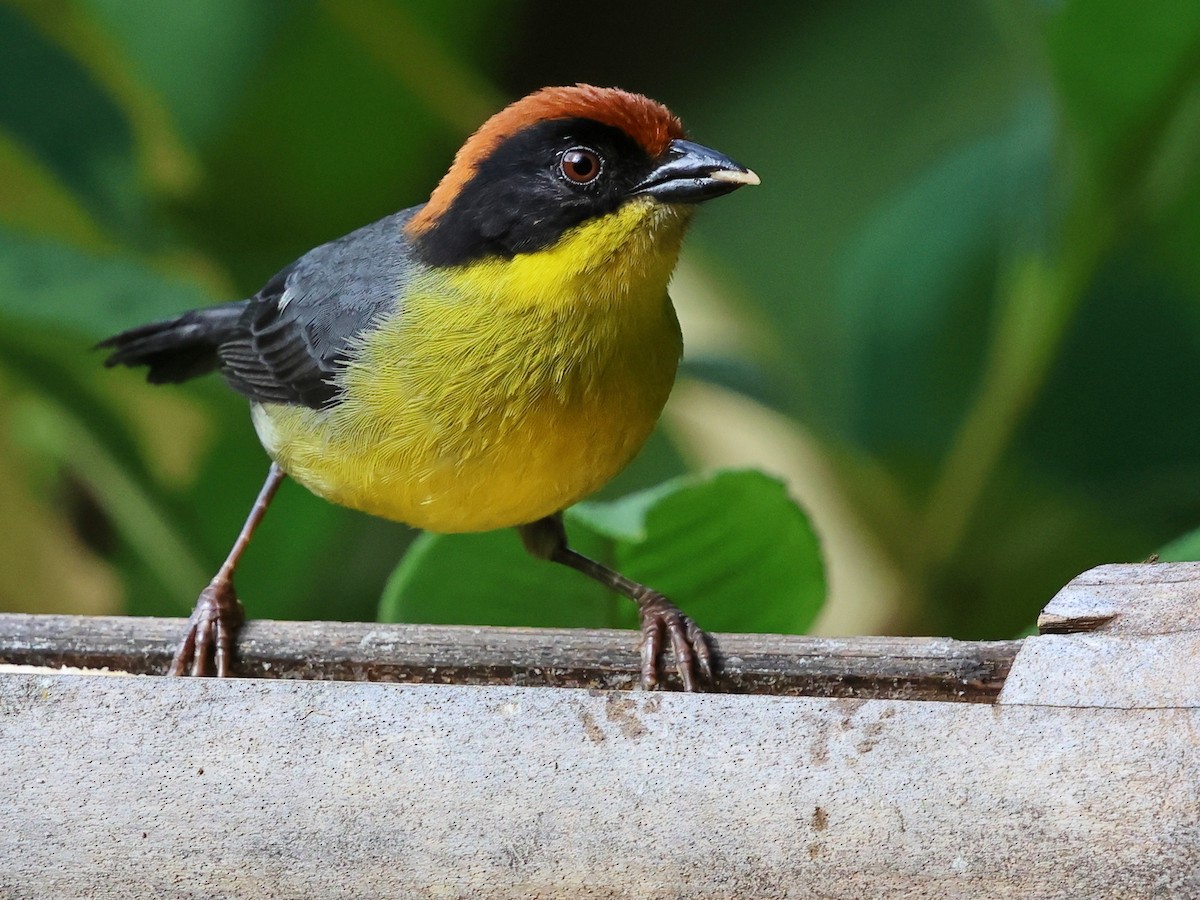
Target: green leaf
624, 519
732, 549
488, 579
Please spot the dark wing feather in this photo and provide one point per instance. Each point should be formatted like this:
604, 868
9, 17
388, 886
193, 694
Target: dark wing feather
296, 333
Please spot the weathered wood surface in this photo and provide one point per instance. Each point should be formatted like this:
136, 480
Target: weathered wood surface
1114, 671
149, 787
1143, 598
1081, 780
1118, 636
895, 668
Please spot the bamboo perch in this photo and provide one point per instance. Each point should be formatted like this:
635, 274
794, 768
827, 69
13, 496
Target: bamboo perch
1080, 778
893, 668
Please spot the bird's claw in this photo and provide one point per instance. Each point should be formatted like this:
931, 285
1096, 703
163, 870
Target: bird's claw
690, 645
212, 629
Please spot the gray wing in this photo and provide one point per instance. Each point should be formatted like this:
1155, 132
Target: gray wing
296, 333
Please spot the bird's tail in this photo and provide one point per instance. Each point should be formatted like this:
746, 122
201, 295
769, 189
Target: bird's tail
180, 348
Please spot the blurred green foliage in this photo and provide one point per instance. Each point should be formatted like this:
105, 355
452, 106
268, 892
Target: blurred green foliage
973, 261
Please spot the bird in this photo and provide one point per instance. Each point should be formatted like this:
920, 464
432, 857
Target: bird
480, 361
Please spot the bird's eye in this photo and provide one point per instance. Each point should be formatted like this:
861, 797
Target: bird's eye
580, 165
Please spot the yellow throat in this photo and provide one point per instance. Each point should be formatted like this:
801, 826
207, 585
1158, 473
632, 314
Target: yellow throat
501, 391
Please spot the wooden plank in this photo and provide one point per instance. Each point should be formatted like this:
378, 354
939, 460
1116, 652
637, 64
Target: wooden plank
151, 787
895, 668
1144, 598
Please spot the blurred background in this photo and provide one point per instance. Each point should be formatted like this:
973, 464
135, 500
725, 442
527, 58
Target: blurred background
960, 318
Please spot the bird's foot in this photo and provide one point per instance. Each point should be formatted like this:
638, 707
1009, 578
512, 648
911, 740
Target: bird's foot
693, 655
212, 629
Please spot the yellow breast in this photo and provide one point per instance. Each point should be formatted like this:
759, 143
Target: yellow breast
502, 391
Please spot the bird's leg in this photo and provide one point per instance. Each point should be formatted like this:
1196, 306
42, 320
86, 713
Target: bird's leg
547, 539
214, 623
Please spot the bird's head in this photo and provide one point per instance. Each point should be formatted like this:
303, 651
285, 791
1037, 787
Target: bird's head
566, 160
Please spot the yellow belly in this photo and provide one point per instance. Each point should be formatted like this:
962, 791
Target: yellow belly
512, 464
493, 398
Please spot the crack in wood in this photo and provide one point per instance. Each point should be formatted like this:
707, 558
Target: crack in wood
1050, 623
